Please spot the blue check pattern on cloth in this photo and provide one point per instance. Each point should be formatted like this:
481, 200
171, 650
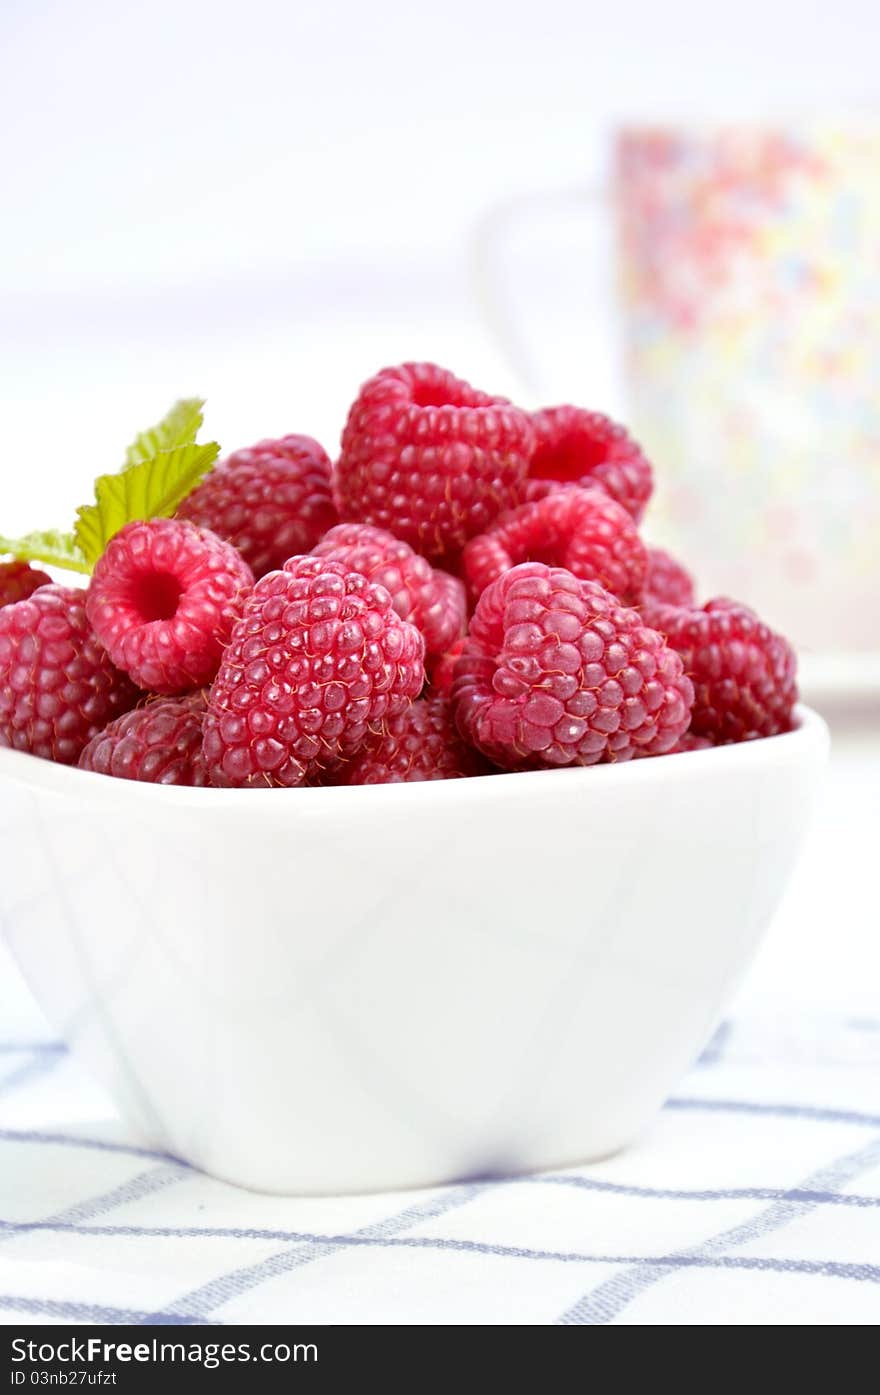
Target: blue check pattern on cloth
755, 1198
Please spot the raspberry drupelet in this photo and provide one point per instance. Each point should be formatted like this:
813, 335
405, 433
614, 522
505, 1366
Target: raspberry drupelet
421, 743
744, 674
431, 459
574, 446
58, 687
555, 671
158, 744
163, 599
272, 501
319, 661
582, 530
18, 580
432, 600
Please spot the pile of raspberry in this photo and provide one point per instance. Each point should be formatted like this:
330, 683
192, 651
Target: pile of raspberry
465, 591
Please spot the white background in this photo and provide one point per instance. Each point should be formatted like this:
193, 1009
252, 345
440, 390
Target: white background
264, 203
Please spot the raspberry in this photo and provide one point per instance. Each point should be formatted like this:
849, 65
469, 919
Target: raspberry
667, 580
556, 672
18, 580
579, 529
160, 744
163, 600
445, 622
574, 446
318, 658
443, 671
690, 742
744, 675
433, 601
271, 501
422, 743
431, 459
58, 687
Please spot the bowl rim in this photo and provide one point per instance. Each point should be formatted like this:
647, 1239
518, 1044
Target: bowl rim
809, 735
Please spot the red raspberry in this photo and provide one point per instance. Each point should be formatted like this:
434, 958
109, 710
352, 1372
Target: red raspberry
57, 685
163, 600
420, 744
579, 529
271, 501
744, 675
433, 601
430, 458
443, 671
667, 580
446, 621
318, 658
160, 744
578, 447
18, 580
556, 672
690, 742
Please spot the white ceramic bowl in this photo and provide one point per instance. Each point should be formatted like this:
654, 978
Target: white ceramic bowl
326, 990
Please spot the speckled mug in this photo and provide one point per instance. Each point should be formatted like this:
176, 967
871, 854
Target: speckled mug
750, 278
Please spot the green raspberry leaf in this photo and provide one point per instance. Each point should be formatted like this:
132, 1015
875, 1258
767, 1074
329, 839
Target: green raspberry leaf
179, 427
152, 488
53, 547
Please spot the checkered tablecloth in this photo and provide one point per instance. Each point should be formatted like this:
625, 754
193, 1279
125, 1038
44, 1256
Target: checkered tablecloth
755, 1198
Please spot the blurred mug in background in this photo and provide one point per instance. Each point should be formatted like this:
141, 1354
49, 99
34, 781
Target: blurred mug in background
750, 274
749, 307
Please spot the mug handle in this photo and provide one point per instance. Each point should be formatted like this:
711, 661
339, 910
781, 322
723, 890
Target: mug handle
493, 292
